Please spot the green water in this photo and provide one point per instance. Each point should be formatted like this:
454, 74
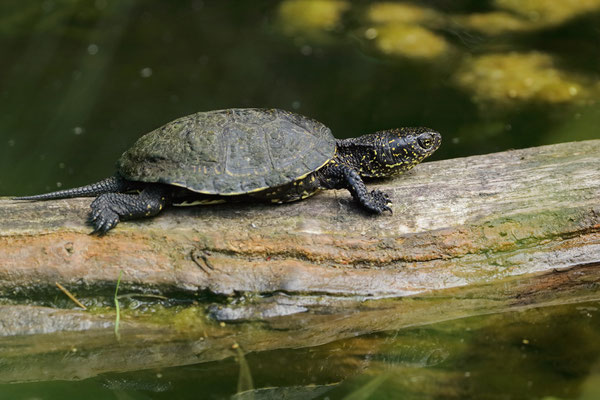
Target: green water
81, 80
547, 353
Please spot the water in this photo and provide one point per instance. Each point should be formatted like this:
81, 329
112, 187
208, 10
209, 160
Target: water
547, 353
81, 80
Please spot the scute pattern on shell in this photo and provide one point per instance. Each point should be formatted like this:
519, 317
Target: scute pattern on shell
230, 152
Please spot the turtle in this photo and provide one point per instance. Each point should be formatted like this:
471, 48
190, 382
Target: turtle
247, 154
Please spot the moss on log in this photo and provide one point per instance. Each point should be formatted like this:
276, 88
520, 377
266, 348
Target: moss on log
456, 222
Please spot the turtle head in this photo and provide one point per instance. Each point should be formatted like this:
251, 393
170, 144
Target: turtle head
397, 150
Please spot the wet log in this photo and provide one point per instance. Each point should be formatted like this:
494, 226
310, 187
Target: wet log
456, 222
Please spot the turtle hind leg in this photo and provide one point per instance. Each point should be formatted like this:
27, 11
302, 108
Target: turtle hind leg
110, 208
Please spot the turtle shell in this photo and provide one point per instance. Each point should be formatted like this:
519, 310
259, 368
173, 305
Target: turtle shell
230, 152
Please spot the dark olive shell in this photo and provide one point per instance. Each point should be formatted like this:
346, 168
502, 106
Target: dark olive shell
229, 152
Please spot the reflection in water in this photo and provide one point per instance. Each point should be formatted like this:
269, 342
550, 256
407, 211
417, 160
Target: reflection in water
547, 13
402, 12
410, 41
313, 19
410, 31
551, 352
132, 384
519, 77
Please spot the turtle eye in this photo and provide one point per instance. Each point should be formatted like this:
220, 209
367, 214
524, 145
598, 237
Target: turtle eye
425, 140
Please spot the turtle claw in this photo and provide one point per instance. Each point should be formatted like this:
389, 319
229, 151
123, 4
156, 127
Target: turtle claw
380, 202
102, 217
95, 214
104, 222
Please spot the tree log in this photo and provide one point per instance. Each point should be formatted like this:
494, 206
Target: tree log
456, 222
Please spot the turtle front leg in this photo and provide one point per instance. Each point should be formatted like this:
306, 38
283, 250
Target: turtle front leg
339, 176
110, 208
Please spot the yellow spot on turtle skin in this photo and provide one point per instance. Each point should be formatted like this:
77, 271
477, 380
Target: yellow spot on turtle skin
148, 214
160, 207
300, 183
312, 178
148, 206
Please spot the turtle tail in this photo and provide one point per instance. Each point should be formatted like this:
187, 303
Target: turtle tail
113, 184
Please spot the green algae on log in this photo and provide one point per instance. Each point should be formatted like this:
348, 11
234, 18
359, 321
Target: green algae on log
456, 222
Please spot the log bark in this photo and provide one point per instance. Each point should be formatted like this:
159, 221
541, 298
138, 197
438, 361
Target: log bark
456, 222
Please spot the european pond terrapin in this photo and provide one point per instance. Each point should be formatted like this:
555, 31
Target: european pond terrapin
247, 154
